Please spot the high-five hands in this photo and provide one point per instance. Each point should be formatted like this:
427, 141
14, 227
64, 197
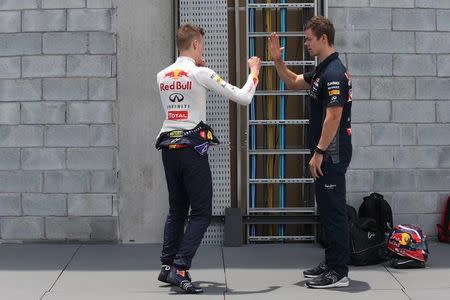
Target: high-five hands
274, 47
254, 63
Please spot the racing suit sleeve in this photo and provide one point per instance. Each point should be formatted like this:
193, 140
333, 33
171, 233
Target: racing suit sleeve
209, 79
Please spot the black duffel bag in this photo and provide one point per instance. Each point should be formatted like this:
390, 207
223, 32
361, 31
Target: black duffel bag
367, 243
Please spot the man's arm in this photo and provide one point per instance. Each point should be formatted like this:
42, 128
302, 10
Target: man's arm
329, 130
292, 80
244, 95
330, 126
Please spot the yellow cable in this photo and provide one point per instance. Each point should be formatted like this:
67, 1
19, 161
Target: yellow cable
270, 129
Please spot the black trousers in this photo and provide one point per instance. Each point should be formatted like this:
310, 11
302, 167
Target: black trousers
189, 183
330, 197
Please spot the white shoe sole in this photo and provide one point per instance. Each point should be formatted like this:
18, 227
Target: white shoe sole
311, 276
344, 282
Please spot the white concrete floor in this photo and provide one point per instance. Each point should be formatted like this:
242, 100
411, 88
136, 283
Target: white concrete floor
49, 272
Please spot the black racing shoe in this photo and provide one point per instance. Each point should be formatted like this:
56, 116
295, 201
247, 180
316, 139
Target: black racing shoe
329, 279
316, 271
165, 270
182, 279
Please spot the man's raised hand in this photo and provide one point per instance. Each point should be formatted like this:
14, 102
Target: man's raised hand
274, 47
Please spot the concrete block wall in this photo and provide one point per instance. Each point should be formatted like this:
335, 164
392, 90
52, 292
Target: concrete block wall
58, 135
398, 54
58, 115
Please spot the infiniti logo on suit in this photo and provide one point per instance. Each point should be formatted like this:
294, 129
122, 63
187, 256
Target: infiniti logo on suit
176, 97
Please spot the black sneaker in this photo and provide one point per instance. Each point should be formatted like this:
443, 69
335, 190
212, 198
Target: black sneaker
329, 279
182, 279
316, 271
165, 270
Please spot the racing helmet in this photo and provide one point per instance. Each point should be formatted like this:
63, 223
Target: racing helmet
408, 247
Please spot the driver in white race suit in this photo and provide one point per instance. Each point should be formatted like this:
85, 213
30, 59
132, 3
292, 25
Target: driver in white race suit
184, 140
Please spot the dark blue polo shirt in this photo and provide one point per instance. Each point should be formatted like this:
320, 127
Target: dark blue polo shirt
331, 85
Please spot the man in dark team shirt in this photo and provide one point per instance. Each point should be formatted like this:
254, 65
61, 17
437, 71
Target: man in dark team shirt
330, 93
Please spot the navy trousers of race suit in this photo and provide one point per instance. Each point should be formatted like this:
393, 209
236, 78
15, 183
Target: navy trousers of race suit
189, 183
330, 197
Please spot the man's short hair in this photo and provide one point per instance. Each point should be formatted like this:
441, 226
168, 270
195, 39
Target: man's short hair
320, 25
186, 34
